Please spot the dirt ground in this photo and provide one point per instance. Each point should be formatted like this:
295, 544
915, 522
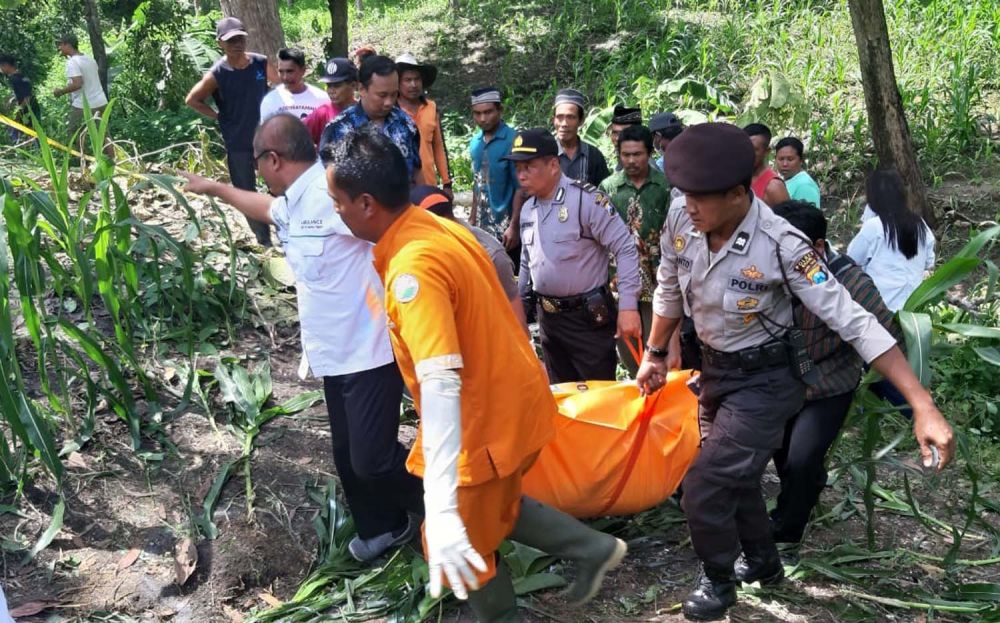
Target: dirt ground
114, 559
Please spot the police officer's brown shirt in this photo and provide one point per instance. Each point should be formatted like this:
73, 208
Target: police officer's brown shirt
566, 240
740, 294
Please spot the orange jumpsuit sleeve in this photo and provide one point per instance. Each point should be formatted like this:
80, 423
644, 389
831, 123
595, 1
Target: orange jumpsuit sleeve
440, 151
421, 299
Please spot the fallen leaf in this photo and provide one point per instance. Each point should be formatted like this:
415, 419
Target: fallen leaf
130, 557
30, 608
306, 460
185, 560
271, 600
234, 615
931, 570
75, 459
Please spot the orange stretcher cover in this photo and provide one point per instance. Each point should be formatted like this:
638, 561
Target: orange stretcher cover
616, 452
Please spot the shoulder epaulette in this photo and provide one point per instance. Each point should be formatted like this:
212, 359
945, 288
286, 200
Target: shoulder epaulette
586, 186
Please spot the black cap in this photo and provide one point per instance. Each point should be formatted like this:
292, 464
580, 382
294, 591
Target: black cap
427, 197
229, 27
532, 143
339, 70
664, 120
709, 158
626, 116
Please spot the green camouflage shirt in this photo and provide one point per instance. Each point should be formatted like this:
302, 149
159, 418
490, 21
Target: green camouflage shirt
644, 211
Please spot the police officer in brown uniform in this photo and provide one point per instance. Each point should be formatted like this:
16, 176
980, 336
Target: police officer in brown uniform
731, 264
568, 228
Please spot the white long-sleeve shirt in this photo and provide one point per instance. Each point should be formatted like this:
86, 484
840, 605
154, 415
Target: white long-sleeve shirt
895, 276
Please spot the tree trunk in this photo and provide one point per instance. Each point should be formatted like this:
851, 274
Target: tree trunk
886, 118
93, 19
262, 22
336, 45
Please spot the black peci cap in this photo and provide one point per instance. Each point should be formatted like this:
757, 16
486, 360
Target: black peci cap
709, 158
626, 116
532, 143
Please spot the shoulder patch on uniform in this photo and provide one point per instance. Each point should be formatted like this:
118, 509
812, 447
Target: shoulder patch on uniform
405, 288
808, 265
587, 186
679, 243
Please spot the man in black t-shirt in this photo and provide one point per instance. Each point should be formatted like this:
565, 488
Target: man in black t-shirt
237, 83
23, 95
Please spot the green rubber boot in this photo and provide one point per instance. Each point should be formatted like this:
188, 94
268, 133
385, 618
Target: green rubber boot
496, 602
560, 535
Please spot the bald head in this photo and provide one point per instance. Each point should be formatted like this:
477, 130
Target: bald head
287, 135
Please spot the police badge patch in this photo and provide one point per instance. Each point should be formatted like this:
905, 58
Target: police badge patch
405, 288
751, 272
679, 244
808, 265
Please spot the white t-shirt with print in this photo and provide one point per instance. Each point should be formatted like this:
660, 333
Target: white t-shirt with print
85, 67
301, 104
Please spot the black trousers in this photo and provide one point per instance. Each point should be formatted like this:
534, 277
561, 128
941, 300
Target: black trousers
243, 175
371, 463
742, 417
573, 349
801, 463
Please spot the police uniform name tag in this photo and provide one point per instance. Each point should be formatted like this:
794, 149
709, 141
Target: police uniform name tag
405, 288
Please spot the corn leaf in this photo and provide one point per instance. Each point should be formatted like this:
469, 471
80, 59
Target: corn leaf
989, 354
972, 330
55, 525
917, 328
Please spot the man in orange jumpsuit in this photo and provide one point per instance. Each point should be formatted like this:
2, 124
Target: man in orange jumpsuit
484, 402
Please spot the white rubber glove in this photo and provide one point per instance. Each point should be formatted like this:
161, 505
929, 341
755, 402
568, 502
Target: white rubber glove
448, 547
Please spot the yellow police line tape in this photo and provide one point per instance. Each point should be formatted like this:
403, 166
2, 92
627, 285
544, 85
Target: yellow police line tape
25, 129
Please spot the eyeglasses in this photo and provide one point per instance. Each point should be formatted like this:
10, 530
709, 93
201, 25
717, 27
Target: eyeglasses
257, 157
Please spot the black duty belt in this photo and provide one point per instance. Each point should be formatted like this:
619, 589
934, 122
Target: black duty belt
557, 304
771, 355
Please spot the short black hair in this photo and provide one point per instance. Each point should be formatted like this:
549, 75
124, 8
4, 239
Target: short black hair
671, 132
804, 217
638, 133
375, 65
291, 138
367, 161
758, 129
295, 55
791, 141
69, 38
6, 59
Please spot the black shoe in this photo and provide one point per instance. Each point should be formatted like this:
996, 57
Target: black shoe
710, 598
768, 570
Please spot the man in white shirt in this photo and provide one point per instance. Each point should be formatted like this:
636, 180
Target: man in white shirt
345, 337
293, 95
84, 84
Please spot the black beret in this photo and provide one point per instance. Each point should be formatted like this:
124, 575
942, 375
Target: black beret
626, 116
709, 158
532, 143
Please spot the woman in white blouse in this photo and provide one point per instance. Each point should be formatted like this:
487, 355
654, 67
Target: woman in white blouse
895, 246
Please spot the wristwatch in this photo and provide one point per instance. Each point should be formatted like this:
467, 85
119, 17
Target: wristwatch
658, 353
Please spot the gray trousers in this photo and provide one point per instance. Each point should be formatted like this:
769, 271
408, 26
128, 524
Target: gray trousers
742, 417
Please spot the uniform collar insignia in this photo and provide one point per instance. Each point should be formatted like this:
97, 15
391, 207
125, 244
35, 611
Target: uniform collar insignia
740, 243
560, 195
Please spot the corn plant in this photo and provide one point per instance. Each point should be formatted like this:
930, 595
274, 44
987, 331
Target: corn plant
246, 392
919, 329
93, 287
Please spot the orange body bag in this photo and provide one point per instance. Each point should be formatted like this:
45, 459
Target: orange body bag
616, 452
